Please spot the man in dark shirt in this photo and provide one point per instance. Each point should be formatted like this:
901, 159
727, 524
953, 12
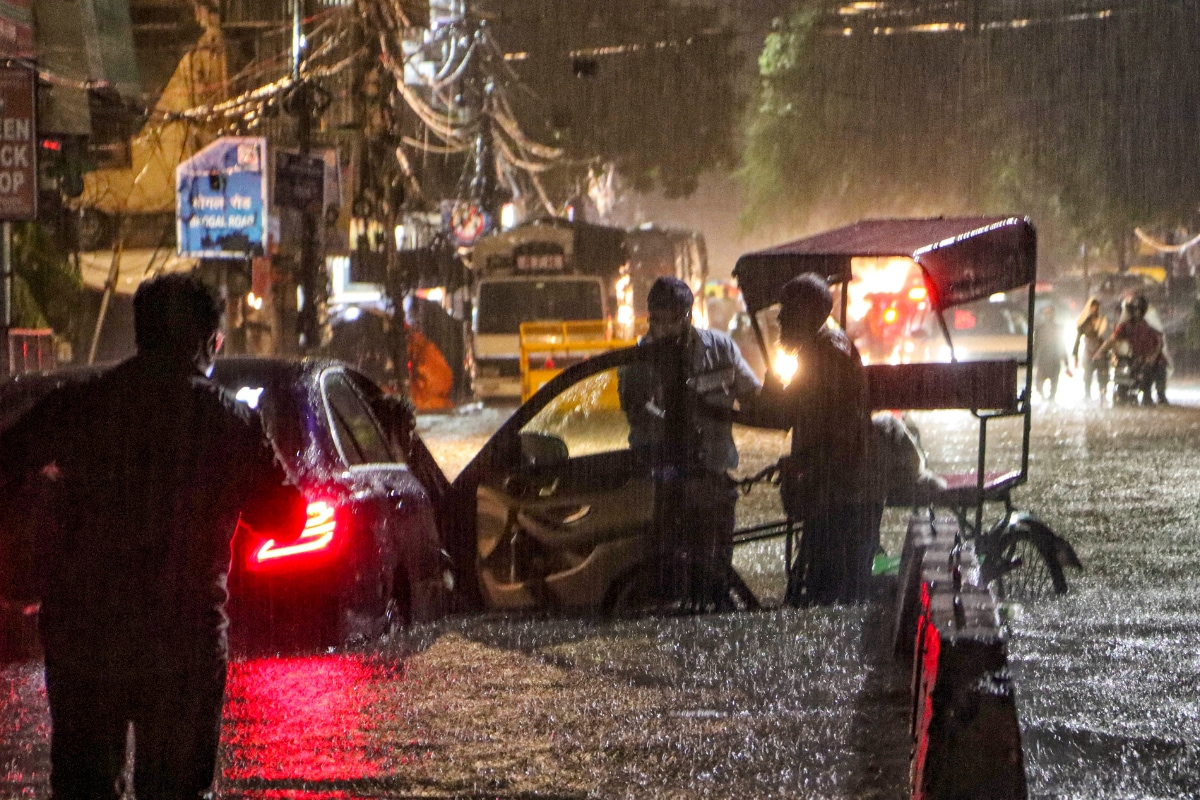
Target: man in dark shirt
825, 482
149, 466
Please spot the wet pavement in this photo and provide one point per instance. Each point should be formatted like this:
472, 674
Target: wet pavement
783, 702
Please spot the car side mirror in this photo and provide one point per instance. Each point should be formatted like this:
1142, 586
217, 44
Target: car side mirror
543, 450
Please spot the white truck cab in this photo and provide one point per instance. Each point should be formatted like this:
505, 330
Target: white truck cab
503, 303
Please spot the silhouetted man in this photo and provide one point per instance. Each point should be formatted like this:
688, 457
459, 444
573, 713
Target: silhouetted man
825, 483
150, 465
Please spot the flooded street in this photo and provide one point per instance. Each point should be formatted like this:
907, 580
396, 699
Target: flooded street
751, 705
1108, 675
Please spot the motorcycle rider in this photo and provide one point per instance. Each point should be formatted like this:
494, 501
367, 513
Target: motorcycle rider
1146, 350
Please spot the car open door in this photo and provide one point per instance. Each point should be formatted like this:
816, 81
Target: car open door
556, 509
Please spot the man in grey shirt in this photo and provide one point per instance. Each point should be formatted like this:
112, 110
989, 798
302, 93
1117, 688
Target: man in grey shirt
716, 377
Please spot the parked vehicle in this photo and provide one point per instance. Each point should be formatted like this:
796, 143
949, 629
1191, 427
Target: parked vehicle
559, 271
984, 330
557, 508
370, 558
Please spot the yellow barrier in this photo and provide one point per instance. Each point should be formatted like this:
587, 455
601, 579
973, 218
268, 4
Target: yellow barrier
553, 344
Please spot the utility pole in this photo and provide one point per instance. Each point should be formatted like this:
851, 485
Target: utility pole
484, 187
6, 298
308, 320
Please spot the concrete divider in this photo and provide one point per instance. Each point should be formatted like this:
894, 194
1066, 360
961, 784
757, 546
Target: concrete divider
966, 738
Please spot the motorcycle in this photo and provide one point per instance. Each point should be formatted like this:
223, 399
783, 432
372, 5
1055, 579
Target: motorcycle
1125, 377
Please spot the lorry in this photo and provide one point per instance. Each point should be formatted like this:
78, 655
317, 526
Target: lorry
577, 274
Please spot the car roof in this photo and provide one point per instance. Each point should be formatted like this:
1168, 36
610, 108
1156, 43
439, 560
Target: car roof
271, 367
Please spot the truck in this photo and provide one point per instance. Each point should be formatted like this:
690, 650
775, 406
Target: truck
555, 270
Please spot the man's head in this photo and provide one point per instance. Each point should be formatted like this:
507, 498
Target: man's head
669, 305
176, 319
1137, 306
805, 305
1048, 313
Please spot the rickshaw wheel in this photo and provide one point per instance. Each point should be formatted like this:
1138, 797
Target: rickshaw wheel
638, 594
1023, 567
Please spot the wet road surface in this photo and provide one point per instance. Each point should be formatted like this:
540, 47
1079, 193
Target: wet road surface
752, 705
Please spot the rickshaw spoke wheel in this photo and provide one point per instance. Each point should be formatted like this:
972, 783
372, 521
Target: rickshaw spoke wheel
1024, 571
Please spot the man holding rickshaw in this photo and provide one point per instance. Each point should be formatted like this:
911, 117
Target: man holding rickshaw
825, 480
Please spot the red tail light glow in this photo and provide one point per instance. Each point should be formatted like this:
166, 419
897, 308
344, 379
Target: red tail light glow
317, 535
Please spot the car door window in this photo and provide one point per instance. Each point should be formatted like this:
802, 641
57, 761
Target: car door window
587, 416
359, 437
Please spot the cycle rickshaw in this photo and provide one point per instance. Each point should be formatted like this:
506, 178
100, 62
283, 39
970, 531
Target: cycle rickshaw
958, 261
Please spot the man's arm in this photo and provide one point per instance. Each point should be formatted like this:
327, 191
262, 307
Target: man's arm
274, 505
745, 382
28, 445
771, 407
1108, 343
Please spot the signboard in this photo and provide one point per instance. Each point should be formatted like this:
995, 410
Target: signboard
221, 200
300, 181
467, 222
18, 153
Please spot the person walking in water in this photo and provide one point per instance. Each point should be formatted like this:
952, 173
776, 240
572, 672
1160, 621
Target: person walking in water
1049, 354
152, 465
1091, 329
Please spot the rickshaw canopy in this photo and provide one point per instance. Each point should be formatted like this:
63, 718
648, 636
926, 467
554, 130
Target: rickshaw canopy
962, 258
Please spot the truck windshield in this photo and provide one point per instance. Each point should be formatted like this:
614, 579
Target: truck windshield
504, 305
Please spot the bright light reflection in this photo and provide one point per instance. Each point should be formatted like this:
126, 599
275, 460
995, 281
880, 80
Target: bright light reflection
249, 395
786, 366
875, 275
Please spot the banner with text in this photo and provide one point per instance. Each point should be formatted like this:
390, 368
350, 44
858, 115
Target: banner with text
221, 200
18, 154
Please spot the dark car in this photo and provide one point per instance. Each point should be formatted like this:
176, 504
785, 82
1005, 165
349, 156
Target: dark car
370, 557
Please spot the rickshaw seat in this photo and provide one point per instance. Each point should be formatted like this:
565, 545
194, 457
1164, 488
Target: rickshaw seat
963, 490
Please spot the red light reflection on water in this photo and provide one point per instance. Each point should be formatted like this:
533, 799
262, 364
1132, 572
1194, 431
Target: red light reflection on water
300, 720
24, 730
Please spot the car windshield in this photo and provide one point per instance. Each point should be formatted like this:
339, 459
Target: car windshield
504, 305
982, 318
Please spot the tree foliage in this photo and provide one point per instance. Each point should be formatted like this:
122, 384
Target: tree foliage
47, 288
1087, 126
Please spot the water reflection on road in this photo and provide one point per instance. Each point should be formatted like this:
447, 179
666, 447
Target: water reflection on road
300, 721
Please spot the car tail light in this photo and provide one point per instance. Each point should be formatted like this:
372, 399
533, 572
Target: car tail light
318, 534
